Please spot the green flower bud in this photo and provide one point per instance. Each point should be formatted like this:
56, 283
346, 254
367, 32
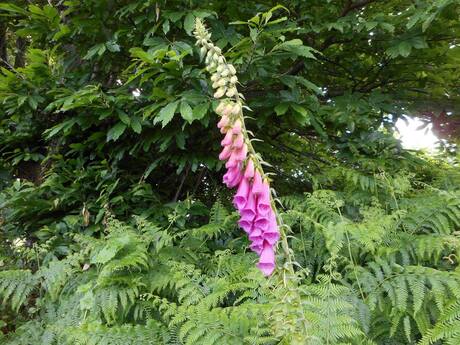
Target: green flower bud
203, 51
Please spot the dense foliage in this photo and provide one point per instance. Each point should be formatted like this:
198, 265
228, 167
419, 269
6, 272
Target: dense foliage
115, 227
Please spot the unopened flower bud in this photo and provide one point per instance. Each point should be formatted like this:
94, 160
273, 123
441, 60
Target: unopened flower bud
222, 82
224, 73
216, 85
228, 109
220, 92
215, 77
211, 66
233, 79
231, 92
220, 68
202, 51
220, 107
221, 59
236, 109
231, 69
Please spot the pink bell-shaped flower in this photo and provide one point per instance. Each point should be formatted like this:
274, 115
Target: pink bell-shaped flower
271, 234
225, 154
249, 210
257, 185
236, 128
245, 224
223, 122
256, 247
228, 139
240, 154
263, 201
257, 239
241, 196
261, 223
232, 177
267, 259
255, 235
232, 162
249, 171
237, 176
238, 141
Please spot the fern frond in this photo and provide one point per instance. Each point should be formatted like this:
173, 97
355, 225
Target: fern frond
16, 286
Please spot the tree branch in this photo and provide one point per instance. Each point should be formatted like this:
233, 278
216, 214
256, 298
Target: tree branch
176, 197
350, 6
353, 6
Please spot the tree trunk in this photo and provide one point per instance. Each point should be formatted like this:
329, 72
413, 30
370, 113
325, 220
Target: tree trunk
21, 44
3, 44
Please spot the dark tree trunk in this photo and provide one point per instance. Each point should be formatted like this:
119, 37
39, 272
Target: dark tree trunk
21, 45
3, 45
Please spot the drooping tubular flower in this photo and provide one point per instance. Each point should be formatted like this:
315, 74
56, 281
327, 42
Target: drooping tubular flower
244, 172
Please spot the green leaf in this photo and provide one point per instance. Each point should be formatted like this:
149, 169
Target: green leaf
166, 114
116, 131
32, 102
136, 124
189, 23
298, 109
64, 31
200, 111
87, 301
12, 8
107, 253
296, 46
165, 26
281, 108
63, 126
112, 46
180, 140
98, 49
186, 112
123, 116
253, 33
404, 48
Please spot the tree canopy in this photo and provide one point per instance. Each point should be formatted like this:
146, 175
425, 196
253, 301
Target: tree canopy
115, 227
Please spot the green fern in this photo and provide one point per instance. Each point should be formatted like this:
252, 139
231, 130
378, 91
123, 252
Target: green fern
16, 286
